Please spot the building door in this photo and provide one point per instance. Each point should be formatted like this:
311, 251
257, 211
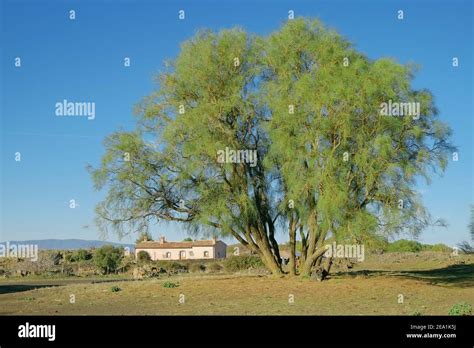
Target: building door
182, 254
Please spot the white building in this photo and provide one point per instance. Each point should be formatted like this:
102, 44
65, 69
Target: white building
200, 249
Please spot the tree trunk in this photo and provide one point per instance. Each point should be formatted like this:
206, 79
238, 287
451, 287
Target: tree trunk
271, 260
304, 245
311, 260
292, 244
272, 265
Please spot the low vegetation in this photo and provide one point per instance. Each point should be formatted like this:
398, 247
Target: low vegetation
243, 263
170, 285
107, 258
462, 308
404, 245
432, 283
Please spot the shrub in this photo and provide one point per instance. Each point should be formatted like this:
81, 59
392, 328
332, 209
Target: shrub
214, 267
126, 263
83, 255
171, 266
144, 236
107, 258
462, 308
170, 285
197, 267
437, 247
68, 256
115, 289
79, 255
143, 256
240, 263
404, 245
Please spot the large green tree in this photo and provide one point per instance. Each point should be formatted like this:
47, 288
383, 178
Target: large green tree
329, 166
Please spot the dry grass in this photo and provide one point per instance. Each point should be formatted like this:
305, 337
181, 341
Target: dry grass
426, 288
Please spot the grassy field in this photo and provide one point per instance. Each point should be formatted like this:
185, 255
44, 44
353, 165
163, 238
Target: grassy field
430, 283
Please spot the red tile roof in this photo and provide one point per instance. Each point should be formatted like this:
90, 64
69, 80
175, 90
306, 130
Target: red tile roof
174, 245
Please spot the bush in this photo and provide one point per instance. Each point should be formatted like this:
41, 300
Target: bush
83, 255
170, 285
462, 308
240, 263
107, 258
144, 236
197, 267
68, 256
171, 266
143, 256
404, 245
437, 247
77, 256
214, 267
115, 289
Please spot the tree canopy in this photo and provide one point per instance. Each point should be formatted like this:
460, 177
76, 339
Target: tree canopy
329, 166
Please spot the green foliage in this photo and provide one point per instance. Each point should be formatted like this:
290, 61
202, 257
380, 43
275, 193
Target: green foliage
242, 263
404, 245
144, 236
214, 267
196, 267
187, 239
115, 289
108, 258
462, 308
171, 266
68, 257
78, 256
143, 256
289, 97
440, 247
170, 285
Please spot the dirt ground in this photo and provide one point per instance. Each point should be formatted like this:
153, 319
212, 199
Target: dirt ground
429, 285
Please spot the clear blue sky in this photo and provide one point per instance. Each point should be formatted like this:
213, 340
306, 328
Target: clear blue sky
82, 60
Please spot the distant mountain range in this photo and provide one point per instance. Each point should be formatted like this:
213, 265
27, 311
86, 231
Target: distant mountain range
67, 243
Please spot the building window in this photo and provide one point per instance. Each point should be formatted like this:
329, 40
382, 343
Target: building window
206, 254
167, 255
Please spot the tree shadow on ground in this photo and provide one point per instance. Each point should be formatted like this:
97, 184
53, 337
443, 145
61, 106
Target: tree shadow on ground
15, 287
7, 289
460, 275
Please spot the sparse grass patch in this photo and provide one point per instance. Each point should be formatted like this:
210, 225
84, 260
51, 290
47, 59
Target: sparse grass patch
115, 288
462, 308
242, 263
170, 285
